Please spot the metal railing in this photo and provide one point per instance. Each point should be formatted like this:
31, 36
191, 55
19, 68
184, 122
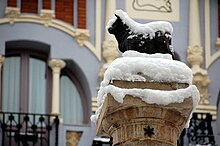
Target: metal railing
28, 129
199, 131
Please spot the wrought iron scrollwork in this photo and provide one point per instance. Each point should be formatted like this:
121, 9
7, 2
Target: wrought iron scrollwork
28, 129
200, 130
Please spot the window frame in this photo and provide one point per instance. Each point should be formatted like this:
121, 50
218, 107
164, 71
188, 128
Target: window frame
67, 71
25, 55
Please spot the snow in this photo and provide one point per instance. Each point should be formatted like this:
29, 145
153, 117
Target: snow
135, 66
160, 97
132, 53
135, 27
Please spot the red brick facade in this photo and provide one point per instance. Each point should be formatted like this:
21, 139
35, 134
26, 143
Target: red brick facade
29, 6
64, 10
12, 3
82, 14
46, 4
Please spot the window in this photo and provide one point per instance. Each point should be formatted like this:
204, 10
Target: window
24, 82
71, 98
27, 86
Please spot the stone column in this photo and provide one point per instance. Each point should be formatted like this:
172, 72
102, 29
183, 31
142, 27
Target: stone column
56, 65
195, 53
194, 24
137, 123
195, 59
2, 60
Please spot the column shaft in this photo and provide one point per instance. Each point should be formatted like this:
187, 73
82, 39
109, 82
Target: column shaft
56, 65
194, 24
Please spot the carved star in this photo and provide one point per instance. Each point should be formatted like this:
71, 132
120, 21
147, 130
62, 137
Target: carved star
149, 131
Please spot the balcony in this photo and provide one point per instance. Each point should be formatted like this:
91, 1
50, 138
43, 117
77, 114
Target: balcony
24, 129
199, 132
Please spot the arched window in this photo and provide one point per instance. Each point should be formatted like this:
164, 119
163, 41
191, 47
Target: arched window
27, 84
72, 99
16, 93
24, 81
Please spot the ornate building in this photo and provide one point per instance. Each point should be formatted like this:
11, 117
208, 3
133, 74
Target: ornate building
54, 54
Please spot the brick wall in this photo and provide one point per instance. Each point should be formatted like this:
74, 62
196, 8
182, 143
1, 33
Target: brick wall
82, 14
64, 10
46, 4
12, 3
29, 6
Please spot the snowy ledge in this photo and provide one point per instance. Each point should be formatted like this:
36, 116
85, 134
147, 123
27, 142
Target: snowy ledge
135, 66
148, 95
148, 28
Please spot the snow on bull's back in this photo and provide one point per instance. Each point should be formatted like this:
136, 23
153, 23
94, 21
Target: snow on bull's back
149, 28
134, 66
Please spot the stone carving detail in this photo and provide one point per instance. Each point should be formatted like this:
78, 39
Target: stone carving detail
2, 60
82, 36
110, 53
12, 13
200, 76
152, 5
149, 131
47, 16
218, 44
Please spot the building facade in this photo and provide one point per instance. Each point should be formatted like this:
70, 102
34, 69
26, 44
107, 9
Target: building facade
54, 54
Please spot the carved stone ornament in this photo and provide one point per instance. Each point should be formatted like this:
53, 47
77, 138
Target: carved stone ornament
110, 53
12, 13
56, 65
47, 16
218, 44
137, 123
200, 76
2, 60
81, 36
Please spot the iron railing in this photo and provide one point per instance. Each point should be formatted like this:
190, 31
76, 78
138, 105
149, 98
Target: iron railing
199, 131
28, 129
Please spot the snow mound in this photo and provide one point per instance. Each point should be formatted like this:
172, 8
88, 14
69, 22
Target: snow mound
135, 66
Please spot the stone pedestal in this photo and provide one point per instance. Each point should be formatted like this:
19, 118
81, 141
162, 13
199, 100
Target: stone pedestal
137, 123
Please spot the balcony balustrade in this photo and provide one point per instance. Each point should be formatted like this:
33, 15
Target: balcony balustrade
24, 129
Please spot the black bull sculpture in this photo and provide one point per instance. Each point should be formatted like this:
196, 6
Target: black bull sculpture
128, 40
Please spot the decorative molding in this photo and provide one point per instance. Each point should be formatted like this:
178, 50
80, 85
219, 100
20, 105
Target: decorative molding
2, 60
56, 65
94, 104
201, 80
12, 13
200, 76
47, 16
152, 5
218, 44
82, 36
212, 109
209, 57
110, 53
153, 9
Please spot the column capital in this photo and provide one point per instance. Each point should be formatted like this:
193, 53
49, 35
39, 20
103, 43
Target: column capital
56, 65
2, 59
